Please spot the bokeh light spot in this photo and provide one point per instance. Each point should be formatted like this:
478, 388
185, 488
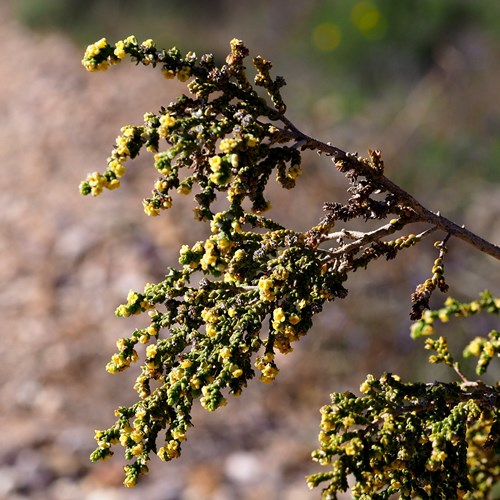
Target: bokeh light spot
368, 19
326, 37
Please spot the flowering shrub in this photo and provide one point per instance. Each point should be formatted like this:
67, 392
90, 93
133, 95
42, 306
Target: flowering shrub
262, 284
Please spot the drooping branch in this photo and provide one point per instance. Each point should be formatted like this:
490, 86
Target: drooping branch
252, 288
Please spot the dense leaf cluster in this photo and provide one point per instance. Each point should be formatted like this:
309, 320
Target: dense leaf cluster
251, 289
437, 440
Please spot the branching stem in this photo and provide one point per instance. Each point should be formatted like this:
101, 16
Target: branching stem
422, 213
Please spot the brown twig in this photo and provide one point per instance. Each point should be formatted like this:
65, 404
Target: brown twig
423, 214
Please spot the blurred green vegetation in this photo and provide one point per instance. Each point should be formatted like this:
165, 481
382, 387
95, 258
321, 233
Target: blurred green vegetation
366, 42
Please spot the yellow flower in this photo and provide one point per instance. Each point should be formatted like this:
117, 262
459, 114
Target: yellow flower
137, 435
96, 182
195, 383
130, 481
185, 363
149, 44
252, 141
227, 145
166, 122
444, 318
353, 446
235, 160
137, 449
169, 450
131, 40
235, 43
211, 330
150, 210
151, 351
122, 145
176, 374
266, 289
225, 245
208, 259
124, 439
161, 185
168, 73
225, 353
438, 455
113, 184
117, 168
269, 373
179, 435
215, 163
237, 373
364, 387
120, 50
101, 44
184, 188
140, 412
348, 421
279, 315
237, 229
152, 330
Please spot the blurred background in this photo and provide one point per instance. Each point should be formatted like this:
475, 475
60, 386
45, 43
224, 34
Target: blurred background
417, 79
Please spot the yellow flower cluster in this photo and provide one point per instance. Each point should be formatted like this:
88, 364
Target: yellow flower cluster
151, 351
228, 145
251, 141
119, 51
283, 340
97, 182
89, 59
168, 73
215, 163
166, 123
116, 167
286, 328
266, 289
210, 318
161, 185
224, 245
169, 450
102, 443
207, 400
211, 258
152, 207
148, 44
280, 319
267, 367
176, 374
120, 361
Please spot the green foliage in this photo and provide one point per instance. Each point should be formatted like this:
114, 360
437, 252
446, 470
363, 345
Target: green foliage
252, 287
436, 440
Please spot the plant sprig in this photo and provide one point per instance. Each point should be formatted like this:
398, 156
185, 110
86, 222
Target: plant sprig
252, 288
